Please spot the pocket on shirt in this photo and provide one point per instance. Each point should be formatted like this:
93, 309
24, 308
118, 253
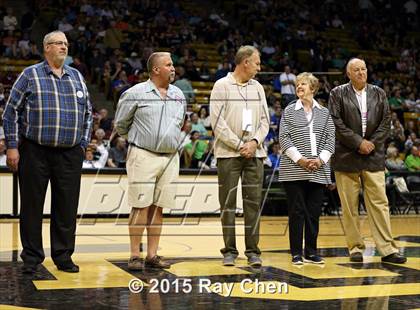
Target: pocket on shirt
80, 96
81, 101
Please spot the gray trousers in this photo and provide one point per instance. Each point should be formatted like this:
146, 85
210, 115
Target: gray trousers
251, 172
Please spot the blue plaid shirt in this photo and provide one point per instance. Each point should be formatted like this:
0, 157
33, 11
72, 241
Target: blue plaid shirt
48, 110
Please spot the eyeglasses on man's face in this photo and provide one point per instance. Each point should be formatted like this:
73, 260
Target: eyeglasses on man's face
59, 43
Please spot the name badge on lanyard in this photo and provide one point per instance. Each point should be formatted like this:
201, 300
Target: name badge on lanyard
247, 120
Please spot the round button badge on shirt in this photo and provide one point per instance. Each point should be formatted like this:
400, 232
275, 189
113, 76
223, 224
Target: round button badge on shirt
79, 94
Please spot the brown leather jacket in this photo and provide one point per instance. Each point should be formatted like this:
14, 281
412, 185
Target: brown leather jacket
346, 116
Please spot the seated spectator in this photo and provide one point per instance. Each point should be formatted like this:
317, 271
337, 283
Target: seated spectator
119, 86
396, 134
9, 21
113, 36
205, 70
273, 133
9, 43
7, 78
23, 46
411, 140
184, 84
410, 103
137, 77
95, 155
324, 91
269, 94
100, 138
184, 140
185, 135
204, 117
2, 152
118, 154
34, 52
210, 159
417, 106
411, 128
393, 161
222, 72
274, 155
273, 108
186, 55
191, 71
267, 50
337, 22
218, 18
195, 151
104, 121
65, 26
197, 126
116, 66
134, 61
412, 161
80, 66
396, 102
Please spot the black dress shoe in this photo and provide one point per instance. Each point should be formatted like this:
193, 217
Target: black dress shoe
395, 258
356, 257
68, 267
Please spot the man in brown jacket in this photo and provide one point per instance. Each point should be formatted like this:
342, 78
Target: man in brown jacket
362, 119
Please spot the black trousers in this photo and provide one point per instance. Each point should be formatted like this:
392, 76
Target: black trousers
62, 167
304, 201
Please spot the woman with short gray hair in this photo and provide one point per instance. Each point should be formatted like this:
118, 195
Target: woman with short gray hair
307, 142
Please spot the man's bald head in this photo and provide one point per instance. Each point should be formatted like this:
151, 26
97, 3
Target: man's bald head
161, 69
357, 73
353, 61
155, 59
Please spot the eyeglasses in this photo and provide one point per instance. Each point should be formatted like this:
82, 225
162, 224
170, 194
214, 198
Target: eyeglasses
59, 43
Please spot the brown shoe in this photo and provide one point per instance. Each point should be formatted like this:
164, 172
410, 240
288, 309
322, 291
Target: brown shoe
157, 262
135, 264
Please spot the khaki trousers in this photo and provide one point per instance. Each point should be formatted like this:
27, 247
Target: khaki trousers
251, 173
376, 202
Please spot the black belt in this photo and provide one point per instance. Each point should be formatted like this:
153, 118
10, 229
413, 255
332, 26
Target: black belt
133, 144
142, 148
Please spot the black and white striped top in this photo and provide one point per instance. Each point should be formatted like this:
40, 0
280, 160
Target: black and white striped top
295, 132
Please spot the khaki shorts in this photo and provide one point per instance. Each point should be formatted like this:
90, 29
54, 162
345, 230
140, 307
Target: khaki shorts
151, 178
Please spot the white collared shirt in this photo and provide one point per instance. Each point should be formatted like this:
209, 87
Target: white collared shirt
361, 99
288, 89
293, 152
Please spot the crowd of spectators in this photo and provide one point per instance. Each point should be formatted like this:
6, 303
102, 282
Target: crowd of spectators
111, 41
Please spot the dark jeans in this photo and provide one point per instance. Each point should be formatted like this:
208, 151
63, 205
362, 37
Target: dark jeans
251, 172
304, 201
62, 167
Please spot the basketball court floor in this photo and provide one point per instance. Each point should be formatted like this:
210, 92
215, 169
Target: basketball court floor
197, 279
